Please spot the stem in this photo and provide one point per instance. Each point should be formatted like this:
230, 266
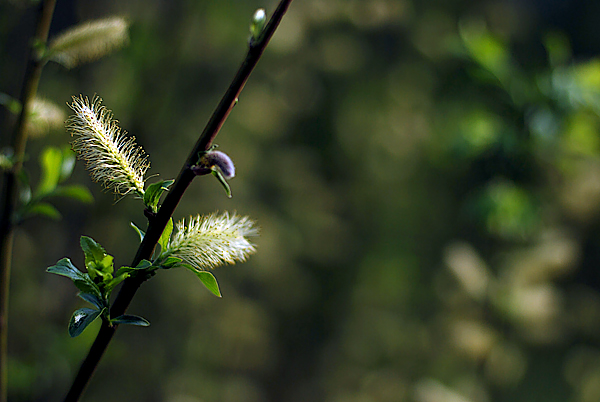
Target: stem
157, 224
10, 183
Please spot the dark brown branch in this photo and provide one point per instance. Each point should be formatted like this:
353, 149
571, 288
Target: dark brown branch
10, 183
158, 223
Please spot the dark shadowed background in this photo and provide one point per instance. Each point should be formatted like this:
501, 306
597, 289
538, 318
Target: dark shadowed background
425, 174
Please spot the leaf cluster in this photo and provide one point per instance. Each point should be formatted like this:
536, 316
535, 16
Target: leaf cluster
56, 166
96, 285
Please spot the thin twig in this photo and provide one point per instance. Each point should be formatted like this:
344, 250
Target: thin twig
10, 182
157, 224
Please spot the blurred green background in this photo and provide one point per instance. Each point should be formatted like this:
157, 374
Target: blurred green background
426, 176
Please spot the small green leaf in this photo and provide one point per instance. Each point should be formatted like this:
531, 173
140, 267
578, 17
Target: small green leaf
154, 192
82, 281
75, 191
51, 163
143, 265
96, 258
131, 320
12, 104
170, 262
87, 285
209, 280
139, 231
166, 235
123, 271
107, 261
108, 287
66, 268
92, 250
223, 182
6, 159
81, 319
67, 165
44, 209
93, 299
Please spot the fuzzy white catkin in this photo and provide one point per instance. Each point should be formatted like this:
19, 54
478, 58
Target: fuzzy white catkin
44, 115
112, 158
209, 241
89, 41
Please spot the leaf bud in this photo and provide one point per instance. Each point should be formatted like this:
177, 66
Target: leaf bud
257, 24
212, 159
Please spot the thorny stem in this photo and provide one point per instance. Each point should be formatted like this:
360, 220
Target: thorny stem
157, 223
10, 182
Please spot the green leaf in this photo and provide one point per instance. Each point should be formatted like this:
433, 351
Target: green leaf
66, 268
108, 287
81, 319
209, 280
75, 191
82, 281
166, 235
486, 49
93, 299
139, 231
131, 320
96, 259
87, 285
6, 159
170, 262
123, 270
44, 209
223, 182
154, 192
107, 261
143, 265
12, 104
51, 163
92, 250
124, 273
67, 165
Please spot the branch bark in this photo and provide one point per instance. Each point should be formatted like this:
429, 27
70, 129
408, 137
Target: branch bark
10, 183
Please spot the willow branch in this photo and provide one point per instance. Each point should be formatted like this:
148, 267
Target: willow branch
157, 223
10, 183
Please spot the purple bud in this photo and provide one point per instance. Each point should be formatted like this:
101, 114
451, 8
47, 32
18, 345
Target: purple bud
200, 170
220, 160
